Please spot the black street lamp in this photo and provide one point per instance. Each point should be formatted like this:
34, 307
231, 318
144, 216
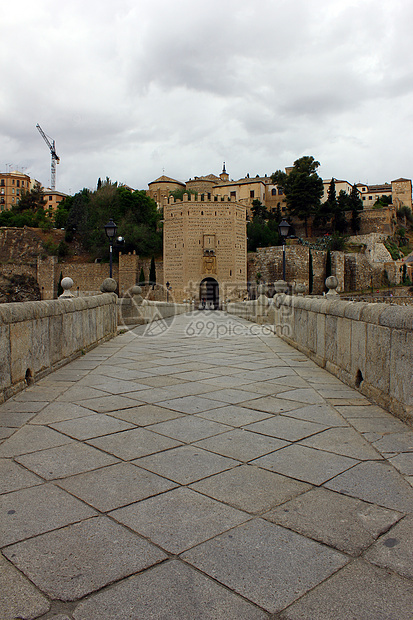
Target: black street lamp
168, 288
110, 230
283, 229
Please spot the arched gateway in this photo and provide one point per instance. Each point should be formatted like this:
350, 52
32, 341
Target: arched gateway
209, 293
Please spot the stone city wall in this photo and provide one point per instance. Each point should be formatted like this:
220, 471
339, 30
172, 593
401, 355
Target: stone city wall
368, 346
39, 336
268, 264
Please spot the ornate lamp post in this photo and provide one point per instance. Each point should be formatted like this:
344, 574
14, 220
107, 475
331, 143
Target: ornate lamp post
110, 230
168, 288
283, 229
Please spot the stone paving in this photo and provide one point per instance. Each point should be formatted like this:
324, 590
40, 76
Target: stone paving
207, 470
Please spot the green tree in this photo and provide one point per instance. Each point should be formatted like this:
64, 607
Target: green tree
355, 205
303, 188
383, 201
77, 218
258, 209
59, 285
142, 277
29, 211
261, 233
32, 201
339, 221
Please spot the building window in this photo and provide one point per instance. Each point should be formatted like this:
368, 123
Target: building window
2, 183
370, 197
252, 193
363, 198
280, 191
50, 197
18, 183
233, 194
273, 192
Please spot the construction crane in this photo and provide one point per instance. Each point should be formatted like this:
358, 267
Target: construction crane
55, 157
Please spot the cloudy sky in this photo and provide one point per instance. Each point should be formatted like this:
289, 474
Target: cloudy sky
132, 89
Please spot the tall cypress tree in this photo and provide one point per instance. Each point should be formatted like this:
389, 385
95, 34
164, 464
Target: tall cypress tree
141, 277
310, 273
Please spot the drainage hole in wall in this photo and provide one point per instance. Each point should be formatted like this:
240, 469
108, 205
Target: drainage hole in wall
29, 378
359, 378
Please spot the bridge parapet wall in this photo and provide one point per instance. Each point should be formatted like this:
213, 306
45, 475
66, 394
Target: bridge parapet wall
369, 346
40, 336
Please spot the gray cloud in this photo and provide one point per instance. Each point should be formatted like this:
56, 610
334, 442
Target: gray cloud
129, 88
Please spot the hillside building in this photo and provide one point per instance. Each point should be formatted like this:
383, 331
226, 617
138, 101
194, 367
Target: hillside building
12, 184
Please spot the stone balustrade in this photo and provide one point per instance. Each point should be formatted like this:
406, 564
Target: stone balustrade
368, 346
38, 337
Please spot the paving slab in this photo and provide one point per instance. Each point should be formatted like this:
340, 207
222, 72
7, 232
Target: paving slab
378, 483
347, 524
234, 415
179, 519
403, 462
105, 404
31, 438
186, 464
241, 445
39, 509
132, 444
71, 562
115, 486
59, 411
321, 414
15, 406
395, 442
344, 441
250, 488
174, 591
23, 600
191, 404
14, 477
271, 404
189, 428
357, 591
236, 558
287, 428
14, 420
144, 415
91, 426
67, 460
394, 549
306, 464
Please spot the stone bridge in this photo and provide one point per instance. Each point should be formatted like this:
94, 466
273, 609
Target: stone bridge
199, 466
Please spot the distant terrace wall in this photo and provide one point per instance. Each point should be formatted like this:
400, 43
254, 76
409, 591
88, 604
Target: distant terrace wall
369, 346
40, 336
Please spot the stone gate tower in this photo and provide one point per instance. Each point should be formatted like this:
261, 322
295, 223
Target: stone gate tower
205, 249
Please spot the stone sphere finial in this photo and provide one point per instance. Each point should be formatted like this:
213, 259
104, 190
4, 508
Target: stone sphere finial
108, 285
66, 285
332, 284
